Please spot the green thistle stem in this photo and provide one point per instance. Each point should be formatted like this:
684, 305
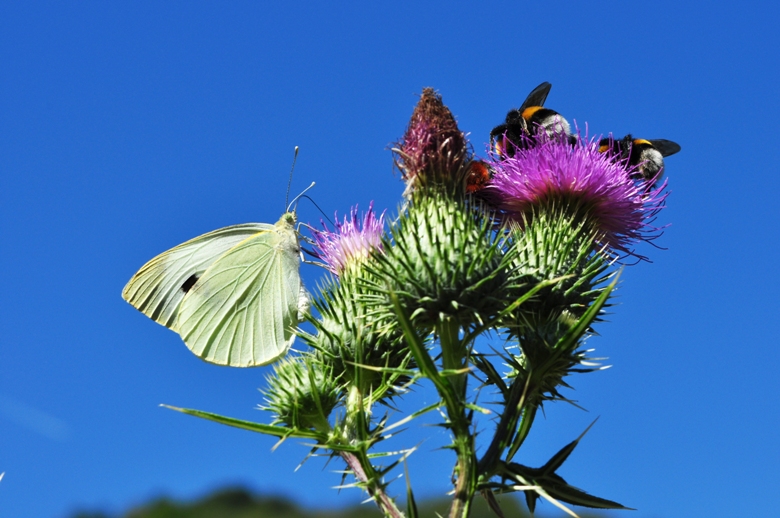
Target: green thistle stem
466, 465
361, 467
355, 421
356, 434
466, 485
454, 355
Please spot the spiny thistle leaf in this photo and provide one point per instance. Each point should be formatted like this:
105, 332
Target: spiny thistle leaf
277, 431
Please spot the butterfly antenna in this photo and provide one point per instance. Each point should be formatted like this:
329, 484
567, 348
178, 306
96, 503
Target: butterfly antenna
318, 208
296, 198
289, 182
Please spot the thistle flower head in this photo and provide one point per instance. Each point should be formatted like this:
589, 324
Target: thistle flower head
446, 259
590, 186
356, 341
302, 392
433, 149
352, 241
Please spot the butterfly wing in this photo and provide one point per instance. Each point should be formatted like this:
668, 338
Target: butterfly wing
161, 284
242, 310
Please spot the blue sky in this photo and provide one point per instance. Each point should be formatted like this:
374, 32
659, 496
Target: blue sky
129, 127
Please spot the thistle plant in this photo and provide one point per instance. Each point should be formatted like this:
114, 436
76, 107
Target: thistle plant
522, 248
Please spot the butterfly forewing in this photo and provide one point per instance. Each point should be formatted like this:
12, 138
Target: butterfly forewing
159, 287
243, 308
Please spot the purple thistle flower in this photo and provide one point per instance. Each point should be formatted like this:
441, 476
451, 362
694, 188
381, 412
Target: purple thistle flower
352, 241
592, 186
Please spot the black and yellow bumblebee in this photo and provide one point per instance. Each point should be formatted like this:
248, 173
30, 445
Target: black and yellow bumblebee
646, 155
523, 124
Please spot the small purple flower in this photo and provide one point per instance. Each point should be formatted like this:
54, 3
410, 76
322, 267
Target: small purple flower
352, 241
554, 174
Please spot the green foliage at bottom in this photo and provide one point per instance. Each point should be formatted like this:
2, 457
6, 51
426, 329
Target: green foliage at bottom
240, 503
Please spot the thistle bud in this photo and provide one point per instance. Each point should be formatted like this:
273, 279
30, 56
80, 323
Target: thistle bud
433, 150
302, 393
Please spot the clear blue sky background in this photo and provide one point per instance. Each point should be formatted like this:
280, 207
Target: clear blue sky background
129, 127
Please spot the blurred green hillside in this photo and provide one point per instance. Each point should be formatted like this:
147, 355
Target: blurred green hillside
240, 503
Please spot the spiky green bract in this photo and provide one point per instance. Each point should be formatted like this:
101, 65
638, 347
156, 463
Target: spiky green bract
555, 250
364, 347
302, 392
444, 260
554, 245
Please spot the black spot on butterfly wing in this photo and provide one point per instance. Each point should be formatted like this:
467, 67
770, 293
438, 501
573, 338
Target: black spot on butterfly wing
189, 283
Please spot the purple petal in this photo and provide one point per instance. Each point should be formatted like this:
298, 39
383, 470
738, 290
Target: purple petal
555, 173
351, 241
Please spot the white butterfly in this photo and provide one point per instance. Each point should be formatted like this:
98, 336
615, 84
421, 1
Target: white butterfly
234, 294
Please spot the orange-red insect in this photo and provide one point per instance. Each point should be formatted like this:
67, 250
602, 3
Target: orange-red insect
478, 177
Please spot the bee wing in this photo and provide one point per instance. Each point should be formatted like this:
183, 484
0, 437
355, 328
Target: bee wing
537, 96
160, 285
666, 147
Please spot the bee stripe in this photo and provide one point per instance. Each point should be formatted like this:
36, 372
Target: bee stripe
530, 111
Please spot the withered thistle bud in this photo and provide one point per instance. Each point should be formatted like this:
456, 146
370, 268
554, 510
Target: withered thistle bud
433, 150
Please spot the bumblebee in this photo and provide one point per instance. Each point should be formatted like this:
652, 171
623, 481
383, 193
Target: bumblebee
523, 124
646, 155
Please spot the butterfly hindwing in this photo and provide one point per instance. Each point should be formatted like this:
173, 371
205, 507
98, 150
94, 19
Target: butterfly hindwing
159, 287
242, 310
